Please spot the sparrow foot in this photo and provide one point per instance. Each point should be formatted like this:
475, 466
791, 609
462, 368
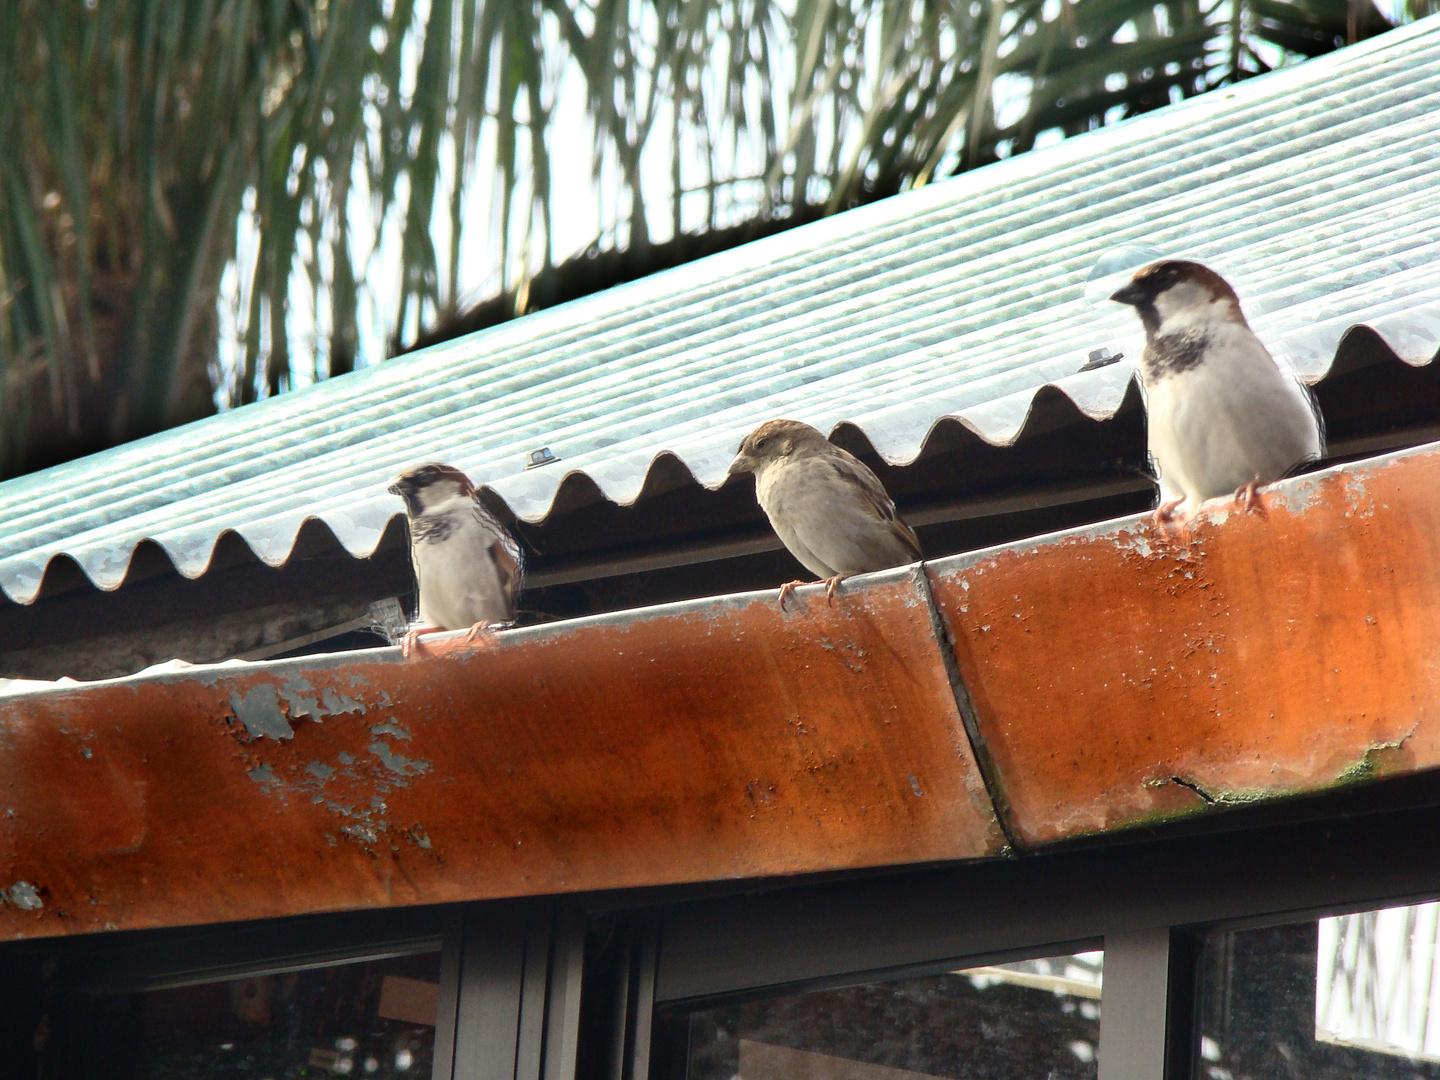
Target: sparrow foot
1248, 497
411, 643
788, 588
831, 584
1165, 513
480, 635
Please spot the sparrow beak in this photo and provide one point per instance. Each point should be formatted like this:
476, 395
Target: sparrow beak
394, 489
1131, 294
741, 464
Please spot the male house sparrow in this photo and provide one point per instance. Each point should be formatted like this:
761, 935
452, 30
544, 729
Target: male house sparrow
1224, 419
467, 565
825, 505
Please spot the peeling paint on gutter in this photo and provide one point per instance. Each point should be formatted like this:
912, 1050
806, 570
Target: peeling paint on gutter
692, 742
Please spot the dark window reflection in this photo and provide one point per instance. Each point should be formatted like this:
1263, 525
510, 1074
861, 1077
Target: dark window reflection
1342, 998
371, 1020
1039, 1020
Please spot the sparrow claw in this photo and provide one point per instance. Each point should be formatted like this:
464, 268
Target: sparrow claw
480, 635
788, 588
1248, 496
1165, 513
831, 584
410, 645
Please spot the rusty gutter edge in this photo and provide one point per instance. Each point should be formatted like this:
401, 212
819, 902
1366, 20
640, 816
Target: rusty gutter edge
1290, 488
516, 636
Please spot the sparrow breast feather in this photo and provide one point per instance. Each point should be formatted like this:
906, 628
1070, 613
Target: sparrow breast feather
1224, 419
468, 568
830, 511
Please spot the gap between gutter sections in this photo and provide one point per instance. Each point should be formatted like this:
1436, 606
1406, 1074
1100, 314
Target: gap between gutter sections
965, 705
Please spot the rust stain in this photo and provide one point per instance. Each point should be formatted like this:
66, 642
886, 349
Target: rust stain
687, 744
1121, 675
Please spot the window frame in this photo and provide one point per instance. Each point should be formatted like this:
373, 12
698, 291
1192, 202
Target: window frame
1149, 898
547, 989
142, 961
510, 973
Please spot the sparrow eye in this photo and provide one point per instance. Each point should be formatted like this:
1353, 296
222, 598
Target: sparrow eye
762, 444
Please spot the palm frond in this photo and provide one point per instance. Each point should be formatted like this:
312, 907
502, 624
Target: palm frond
349, 170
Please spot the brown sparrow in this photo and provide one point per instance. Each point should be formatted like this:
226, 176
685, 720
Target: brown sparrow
1224, 418
467, 565
827, 507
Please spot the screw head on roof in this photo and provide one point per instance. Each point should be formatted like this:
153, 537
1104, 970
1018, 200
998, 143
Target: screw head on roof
1101, 357
543, 456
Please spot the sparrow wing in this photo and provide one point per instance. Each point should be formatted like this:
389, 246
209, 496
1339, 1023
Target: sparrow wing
509, 569
505, 553
414, 553
855, 475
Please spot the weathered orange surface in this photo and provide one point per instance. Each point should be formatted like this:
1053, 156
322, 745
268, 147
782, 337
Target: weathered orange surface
711, 741
1120, 674
1115, 675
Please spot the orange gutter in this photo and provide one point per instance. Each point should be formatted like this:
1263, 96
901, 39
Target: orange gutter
1109, 676
1122, 675
700, 741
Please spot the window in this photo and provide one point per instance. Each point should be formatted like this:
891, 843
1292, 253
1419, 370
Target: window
1346, 997
1037, 1018
370, 1019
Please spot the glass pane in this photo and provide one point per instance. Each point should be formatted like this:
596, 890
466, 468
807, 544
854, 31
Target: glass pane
371, 1019
1031, 1020
1351, 996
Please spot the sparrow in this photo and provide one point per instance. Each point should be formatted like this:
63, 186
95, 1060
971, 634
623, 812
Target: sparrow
1224, 418
826, 506
467, 565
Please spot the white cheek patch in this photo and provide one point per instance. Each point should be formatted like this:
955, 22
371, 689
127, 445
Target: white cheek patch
1189, 302
439, 492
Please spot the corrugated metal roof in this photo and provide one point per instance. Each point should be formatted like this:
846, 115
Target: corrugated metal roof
1312, 189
